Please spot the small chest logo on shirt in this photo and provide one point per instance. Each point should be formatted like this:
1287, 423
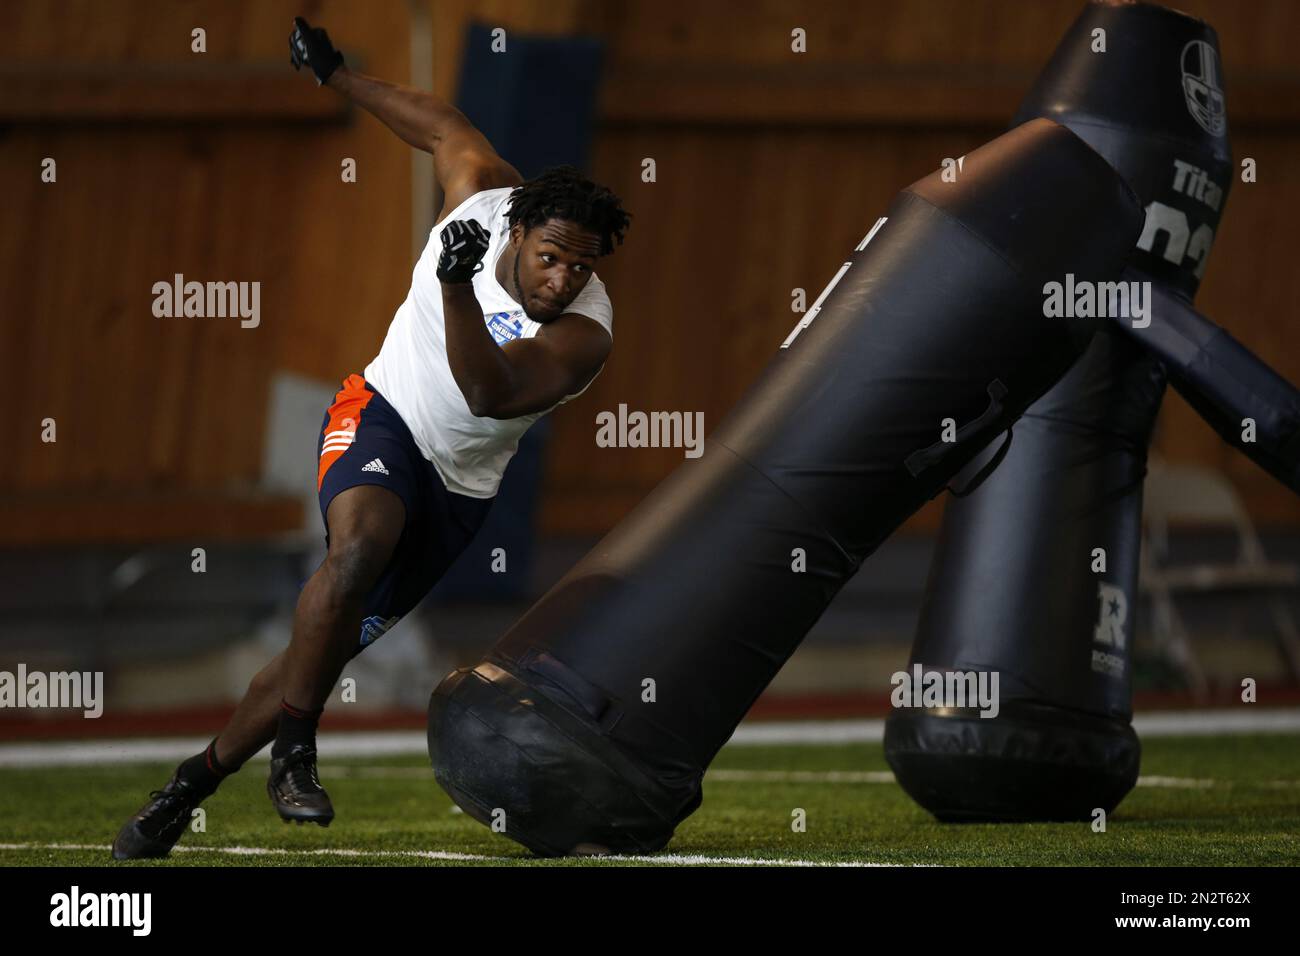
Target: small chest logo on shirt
505, 326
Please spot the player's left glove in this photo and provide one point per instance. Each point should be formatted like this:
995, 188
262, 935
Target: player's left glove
311, 47
464, 244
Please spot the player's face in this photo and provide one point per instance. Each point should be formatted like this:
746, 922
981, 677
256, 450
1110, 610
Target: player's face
555, 261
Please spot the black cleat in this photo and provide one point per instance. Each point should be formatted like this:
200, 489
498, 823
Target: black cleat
295, 789
153, 831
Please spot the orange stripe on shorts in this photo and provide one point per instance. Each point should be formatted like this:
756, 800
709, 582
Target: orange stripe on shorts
344, 417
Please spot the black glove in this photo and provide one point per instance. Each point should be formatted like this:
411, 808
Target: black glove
311, 46
464, 244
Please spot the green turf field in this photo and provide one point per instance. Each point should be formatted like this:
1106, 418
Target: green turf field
1223, 801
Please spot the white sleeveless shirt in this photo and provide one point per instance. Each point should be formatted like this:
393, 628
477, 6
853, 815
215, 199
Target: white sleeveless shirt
412, 372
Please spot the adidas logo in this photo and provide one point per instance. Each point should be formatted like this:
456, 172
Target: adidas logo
375, 465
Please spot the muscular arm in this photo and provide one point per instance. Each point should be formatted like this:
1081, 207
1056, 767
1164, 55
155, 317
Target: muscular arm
464, 161
524, 376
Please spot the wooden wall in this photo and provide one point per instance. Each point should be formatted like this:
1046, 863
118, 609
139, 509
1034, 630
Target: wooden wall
170, 162
770, 165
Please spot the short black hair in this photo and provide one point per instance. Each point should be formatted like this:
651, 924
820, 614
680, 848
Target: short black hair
562, 192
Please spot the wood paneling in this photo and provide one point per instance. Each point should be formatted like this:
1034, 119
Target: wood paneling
770, 165
114, 94
176, 406
146, 515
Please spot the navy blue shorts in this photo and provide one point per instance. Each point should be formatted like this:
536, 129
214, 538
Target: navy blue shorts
363, 441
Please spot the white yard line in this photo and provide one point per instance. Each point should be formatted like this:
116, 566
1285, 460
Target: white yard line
407, 742
667, 859
800, 776
808, 732
1181, 723
727, 776
1182, 783
172, 749
1203, 723
796, 776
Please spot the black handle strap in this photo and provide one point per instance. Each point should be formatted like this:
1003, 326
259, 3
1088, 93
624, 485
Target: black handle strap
578, 689
963, 489
927, 458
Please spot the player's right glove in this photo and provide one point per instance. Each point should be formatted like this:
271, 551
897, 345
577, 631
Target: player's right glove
464, 244
311, 47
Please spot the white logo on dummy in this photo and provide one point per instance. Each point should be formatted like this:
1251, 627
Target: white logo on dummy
1201, 87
